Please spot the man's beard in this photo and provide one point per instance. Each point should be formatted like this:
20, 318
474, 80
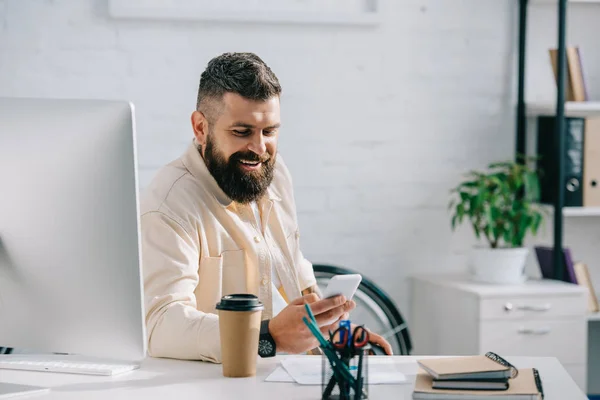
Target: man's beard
240, 186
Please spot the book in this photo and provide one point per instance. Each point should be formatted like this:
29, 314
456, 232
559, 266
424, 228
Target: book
479, 367
583, 77
569, 86
526, 385
576, 88
545, 259
475, 384
576, 74
584, 279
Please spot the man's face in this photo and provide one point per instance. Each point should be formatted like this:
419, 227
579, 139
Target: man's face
240, 147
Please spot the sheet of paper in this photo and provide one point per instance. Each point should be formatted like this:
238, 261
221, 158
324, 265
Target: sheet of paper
279, 374
308, 370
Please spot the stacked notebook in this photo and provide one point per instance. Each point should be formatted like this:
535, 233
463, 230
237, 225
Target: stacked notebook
475, 377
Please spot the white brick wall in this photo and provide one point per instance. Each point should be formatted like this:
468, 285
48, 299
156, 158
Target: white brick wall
378, 122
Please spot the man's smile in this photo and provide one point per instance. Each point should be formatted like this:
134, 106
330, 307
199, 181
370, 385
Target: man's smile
250, 165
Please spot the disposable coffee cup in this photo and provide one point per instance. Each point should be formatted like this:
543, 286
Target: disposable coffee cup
239, 325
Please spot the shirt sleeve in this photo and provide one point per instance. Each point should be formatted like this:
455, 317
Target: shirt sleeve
175, 328
306, 274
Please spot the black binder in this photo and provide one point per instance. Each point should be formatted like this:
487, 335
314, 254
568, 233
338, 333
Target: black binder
547, 145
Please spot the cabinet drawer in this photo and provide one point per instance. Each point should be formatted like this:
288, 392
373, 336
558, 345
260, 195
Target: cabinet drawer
564, 339
532, 307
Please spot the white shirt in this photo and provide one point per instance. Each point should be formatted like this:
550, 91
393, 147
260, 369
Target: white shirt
190, 256
279, 302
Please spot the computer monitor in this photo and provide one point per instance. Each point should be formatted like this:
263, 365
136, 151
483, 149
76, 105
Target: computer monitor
70, 274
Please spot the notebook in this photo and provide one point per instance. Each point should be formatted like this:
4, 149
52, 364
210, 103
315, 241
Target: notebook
480, 367
478, 384
527, 385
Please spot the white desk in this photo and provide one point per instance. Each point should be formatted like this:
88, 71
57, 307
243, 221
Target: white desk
172, 380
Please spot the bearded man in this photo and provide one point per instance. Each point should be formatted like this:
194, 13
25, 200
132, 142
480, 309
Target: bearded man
221, 219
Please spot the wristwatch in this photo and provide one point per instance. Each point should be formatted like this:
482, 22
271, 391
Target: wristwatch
266, 343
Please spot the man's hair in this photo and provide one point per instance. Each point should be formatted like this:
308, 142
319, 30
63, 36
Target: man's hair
242, 73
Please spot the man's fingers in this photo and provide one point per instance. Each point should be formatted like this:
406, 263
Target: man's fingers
351, 305
379, 340
308, 298
325, 305
331, 316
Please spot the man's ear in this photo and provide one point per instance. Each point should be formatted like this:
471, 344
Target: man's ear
200, 126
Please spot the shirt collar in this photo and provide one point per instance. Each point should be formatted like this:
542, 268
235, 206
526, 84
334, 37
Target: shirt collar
193, 161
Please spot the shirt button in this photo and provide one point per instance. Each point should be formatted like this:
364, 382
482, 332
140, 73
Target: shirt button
265, 281
257, 239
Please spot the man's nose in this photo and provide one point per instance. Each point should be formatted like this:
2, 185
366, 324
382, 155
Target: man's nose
257, 144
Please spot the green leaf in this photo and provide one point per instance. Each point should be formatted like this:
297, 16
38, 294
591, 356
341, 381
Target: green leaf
501, 164
471, 184
532, 187
537, 221
464, 196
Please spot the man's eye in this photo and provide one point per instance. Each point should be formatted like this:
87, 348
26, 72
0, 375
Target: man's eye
244, 132
270, 133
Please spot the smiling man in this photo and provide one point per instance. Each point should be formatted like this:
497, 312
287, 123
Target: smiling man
221, 219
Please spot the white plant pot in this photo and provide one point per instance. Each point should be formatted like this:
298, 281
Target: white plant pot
502, 266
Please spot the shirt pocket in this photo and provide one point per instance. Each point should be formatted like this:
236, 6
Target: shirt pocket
209, 290
234, 272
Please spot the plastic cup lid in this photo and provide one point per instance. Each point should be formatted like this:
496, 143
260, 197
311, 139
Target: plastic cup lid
240, 302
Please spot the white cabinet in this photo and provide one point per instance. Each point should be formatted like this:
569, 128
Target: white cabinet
451, 315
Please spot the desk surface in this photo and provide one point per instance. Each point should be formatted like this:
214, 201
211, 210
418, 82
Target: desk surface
171, 379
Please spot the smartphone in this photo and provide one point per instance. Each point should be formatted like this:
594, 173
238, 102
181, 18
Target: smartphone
345, 285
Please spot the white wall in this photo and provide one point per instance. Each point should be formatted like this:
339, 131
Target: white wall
378, 122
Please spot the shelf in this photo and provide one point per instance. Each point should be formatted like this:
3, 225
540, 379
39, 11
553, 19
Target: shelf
569, 1
572, 109
576, 211
593, 316
581, 211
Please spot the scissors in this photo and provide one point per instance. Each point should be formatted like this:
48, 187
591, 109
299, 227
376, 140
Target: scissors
348, 341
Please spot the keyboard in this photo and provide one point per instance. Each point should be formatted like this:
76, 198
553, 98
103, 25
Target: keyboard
65, 364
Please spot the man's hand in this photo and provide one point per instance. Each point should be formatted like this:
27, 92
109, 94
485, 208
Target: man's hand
379, 340
290, 333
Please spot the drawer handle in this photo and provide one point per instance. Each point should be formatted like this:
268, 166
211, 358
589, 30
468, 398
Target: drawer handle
529, 331
508, 307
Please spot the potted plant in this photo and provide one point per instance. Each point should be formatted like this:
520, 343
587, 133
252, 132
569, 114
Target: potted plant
501, 205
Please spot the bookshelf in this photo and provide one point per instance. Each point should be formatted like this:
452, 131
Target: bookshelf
559, 108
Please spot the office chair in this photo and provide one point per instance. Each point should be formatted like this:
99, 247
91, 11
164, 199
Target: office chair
374, 308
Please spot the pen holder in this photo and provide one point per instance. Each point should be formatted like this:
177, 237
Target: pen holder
333, 386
